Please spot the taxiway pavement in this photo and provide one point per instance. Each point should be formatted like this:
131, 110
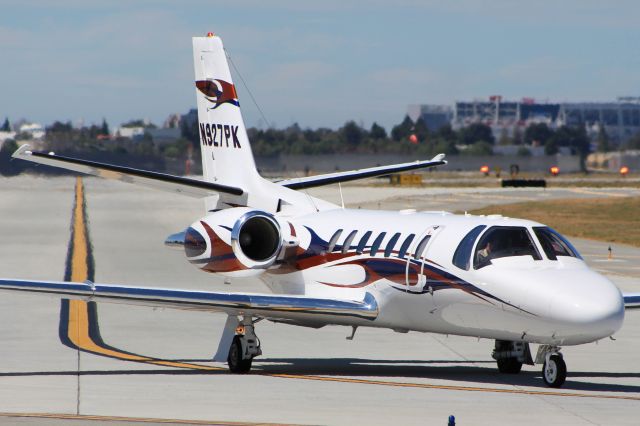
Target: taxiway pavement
305, 376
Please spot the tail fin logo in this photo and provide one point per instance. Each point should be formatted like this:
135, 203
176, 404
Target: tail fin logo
218, 92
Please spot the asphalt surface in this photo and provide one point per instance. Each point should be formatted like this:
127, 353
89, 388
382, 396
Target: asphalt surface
152, 365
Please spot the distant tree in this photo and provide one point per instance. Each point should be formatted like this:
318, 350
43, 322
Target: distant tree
538, 133
9, 146
60, 127
479, 148
475, 133
402, 131
517, 136
6, 126
577, 140
445, 146
504, 137
176, 149
446, 133
551, 147
603, 140
8, 167
633, 142
421, 130
139, 123
523, 151
351, 133
104, 129
377, 131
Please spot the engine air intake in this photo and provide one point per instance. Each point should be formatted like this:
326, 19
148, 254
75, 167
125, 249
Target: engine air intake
256, 237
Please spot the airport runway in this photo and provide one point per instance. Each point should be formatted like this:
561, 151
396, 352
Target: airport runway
116, 364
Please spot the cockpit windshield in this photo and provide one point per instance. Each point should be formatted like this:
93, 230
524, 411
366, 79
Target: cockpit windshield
554, 244
504, 241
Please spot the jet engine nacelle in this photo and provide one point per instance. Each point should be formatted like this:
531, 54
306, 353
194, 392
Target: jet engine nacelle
236, 242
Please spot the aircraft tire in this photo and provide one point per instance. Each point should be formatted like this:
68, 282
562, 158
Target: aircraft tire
237, 365
554, 371
509, 365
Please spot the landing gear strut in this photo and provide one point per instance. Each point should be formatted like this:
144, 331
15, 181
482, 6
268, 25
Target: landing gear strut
510, 355
554, 369
244, 348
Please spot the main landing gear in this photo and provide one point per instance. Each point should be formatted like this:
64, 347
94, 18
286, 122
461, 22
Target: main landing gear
244, 347
510, 355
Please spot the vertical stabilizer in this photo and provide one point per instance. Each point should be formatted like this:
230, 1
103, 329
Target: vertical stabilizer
226, 153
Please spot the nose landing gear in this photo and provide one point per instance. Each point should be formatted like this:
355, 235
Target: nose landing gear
554, 369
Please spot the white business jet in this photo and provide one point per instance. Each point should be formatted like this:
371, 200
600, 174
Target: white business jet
511, 280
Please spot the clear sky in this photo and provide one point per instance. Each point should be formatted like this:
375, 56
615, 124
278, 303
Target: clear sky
317, 63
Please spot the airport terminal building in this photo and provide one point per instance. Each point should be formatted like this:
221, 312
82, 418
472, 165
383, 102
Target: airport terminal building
621, 118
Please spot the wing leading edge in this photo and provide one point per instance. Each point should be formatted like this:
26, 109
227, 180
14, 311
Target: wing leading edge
327, 179
279, 307
192, 187
631, 300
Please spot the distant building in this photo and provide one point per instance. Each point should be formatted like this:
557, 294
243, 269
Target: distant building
36, 130
164, 135
434, 116
7, 135
621, 119
133, 133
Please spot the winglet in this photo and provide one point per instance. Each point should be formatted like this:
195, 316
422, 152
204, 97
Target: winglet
439, 157
23, 150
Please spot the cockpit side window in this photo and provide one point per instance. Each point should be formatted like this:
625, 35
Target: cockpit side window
554, 244
504, 241
463, 252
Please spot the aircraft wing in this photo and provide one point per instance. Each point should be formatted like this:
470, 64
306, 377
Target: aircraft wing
631, 300
191, 187
277, 307
327, 179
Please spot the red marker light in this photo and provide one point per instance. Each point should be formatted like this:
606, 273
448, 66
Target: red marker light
624, 170
413, 139
485, 170
209, 34
554, 170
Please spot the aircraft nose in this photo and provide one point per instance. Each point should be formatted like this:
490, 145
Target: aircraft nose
590, 306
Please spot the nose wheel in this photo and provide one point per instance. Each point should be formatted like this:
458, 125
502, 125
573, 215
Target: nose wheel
554, 369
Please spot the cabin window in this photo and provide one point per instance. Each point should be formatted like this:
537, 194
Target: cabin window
421, 246
554, 244
405, 246
376, 244
504, 241
347, 242
391, 244
334, 240
363, 242
463, 252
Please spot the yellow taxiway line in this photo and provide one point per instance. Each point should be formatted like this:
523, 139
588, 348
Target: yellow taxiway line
82, 417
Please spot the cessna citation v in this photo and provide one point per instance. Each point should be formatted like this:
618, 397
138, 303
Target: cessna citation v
511, 280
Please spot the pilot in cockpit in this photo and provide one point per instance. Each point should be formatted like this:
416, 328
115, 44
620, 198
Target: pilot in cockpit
483, 255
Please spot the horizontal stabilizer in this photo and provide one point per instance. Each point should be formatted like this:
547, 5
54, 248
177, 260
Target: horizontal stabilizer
191, 187
631, 300
328, 179
301, 308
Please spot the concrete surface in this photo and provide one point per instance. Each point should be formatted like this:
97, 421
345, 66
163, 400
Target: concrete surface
305, 376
